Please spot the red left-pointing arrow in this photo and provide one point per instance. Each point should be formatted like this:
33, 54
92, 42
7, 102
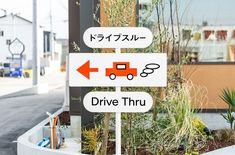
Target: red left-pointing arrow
85, 69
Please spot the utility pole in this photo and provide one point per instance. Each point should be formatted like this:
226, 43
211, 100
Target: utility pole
13, 26
35, 55
51, 33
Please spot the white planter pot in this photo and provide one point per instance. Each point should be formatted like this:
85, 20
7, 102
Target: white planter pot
27, 143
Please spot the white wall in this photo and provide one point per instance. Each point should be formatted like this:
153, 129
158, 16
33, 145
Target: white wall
23, 31
145, 2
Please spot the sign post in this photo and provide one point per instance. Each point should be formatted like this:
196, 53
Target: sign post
16, 48
118, 118
117, 69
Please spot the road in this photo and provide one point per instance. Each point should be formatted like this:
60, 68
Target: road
9, 85
20, 113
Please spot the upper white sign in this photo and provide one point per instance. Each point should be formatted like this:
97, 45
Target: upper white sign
118, 37
110, 69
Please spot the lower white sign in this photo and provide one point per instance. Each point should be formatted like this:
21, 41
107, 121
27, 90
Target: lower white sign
130, 102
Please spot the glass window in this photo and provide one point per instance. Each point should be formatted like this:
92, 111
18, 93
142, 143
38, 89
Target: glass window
233, 35
8, 41
1, 33
221, 35
208, 34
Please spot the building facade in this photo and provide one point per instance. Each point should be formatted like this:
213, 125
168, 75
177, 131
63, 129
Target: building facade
13, 26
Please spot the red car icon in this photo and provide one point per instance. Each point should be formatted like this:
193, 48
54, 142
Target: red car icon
121, 69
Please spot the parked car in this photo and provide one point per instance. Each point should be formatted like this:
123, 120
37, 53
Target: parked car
28, 73
1, 70
7, 69
15, 70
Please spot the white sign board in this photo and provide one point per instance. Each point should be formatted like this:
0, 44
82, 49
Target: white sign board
118, 37
16, 47
110, 69
130, 102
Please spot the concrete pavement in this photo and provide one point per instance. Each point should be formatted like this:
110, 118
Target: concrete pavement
9, 85
19, 114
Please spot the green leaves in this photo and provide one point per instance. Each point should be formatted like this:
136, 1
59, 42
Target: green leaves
229, 98
91, 139
229, 117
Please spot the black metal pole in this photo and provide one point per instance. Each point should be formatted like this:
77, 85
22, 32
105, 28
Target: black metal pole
80, 18
74, 36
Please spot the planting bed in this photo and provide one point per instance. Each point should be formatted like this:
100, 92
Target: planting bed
210, 146
219, 139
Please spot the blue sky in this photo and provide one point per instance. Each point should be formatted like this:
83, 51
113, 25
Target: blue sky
216, 12
59, 13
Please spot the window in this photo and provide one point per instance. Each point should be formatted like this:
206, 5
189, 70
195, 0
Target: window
143, 7
233, 35
221, 35
121, 66
8, 41
1, 33
46, 41
207, 33
186, 34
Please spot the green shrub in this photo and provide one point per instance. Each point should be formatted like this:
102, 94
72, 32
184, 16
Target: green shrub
91, 136
228, 96
173, 128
